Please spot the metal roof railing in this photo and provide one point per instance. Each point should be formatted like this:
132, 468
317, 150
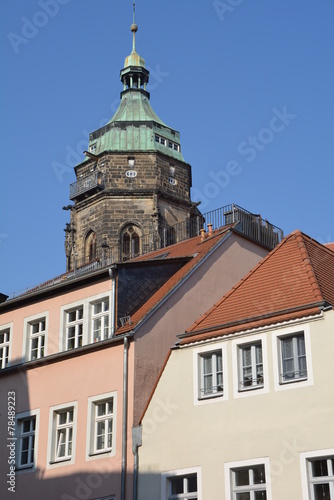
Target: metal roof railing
251, 225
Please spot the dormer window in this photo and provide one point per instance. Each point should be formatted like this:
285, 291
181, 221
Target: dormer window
92, 148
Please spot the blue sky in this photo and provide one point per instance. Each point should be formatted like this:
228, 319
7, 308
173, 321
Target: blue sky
248, 84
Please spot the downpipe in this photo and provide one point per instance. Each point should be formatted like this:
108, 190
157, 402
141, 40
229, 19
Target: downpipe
125, 417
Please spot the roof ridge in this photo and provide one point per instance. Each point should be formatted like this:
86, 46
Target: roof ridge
242, 280
308, 263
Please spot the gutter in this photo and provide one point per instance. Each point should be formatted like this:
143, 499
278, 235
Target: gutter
252, 319
136, 442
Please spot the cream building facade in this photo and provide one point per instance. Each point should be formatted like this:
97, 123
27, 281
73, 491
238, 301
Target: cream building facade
251, 408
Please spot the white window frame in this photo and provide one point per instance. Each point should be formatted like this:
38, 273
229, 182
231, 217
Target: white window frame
277, 336
54, 428
231, 466
168, 475
102, 315
305, 459
28, 322
91, 452
7, 344
20, 417
77, 324
87, 305
197, 374
238, 344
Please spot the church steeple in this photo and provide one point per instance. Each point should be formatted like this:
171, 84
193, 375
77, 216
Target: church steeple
134, 75
134, 186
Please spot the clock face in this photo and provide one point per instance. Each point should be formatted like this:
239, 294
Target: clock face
131, 174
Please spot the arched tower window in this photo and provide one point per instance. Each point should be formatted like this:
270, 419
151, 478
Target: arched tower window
130, 242
90, 247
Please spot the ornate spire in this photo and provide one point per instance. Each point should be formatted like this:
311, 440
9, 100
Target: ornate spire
134, 28
134, 58
134, 76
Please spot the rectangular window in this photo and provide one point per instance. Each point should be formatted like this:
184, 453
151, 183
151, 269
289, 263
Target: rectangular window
184, 487
100, 320
63, 434
248, 483
37, 332
176, 147
170, 144
103, 425
293, 358
321, 478
74, 328
250, 366
211, 374
26, 439
4, 347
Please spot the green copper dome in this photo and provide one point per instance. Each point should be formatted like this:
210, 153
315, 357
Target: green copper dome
135, 126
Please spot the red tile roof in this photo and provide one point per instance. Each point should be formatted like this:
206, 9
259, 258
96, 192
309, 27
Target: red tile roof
292, 281
194, 248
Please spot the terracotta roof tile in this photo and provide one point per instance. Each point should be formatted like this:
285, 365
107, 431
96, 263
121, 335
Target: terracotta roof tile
291, 279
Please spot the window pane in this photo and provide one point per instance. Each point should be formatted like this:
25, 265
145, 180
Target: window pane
192, 484
62, 418
61, 443
241, 477
259, 475
243, 496
260, 495
101, 409
207, 364
35, 328
177, 485
70, 416
97, 308
207, 384
26, 426
319, 468
24, 457
246, 356
287, 348
321, 492
71, 316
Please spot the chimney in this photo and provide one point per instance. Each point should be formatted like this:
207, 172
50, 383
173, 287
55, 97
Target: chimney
210, 229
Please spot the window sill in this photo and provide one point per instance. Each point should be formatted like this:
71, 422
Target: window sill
211, 396
60, 461
102, 452
251, 388
293, 381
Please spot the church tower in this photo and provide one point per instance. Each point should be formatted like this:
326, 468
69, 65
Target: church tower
132, 191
